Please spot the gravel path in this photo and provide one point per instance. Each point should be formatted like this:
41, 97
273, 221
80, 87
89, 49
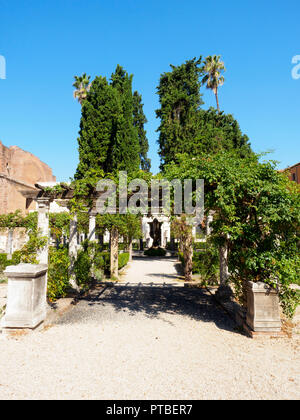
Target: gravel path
147, 342
153, 271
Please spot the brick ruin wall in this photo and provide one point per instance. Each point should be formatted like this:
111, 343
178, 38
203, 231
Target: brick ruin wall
18, 170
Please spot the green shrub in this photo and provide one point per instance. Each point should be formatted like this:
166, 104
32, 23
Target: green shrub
82, 269
58, 279
205, 263
155, 252
3, 262
103, 261
123, 259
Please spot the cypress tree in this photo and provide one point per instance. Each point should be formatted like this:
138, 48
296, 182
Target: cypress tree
180, 98
139, 120
108, 139
125, 150
185, 127
97, 132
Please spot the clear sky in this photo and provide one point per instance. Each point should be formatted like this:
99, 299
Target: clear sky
47, 42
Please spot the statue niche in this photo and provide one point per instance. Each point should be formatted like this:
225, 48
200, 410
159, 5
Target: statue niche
155, 232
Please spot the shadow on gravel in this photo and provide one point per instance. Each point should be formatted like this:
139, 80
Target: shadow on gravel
113, 302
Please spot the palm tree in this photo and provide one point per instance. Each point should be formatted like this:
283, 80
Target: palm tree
213, 68
82, 86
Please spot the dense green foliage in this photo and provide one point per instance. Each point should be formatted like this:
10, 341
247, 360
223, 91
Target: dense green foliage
58, 277
17, 219
215, 132
155, 252
180, 99
112, 136
205, 263
123, 259
59, 225
184, 126
257, 212
28, 253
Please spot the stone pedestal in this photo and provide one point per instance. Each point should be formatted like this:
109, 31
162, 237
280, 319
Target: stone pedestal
26, 296
92, 226
263, 313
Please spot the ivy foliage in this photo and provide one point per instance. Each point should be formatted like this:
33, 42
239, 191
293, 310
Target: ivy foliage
28, 253
17, 219
257, 211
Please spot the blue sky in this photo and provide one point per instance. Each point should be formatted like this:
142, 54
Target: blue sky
47, 42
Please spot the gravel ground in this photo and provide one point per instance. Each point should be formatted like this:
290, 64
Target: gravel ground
147, 342
153, 271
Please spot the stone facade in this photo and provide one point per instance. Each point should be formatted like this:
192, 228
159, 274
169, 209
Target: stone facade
19, 169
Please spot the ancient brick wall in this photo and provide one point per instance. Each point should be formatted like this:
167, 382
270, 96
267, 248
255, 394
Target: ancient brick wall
19, 169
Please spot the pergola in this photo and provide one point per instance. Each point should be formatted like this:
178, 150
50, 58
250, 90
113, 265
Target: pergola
43, 197
43, 194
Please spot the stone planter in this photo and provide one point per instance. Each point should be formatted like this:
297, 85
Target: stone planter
26, 296
263, 314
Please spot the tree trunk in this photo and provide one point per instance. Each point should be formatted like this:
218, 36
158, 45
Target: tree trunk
223, 254
114, 253
141, 245
188, 258
73, 252
217, 99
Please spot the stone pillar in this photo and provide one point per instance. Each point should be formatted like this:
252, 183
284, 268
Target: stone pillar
73, 251
43, 227
130, 249
262, 308
114, 253
92, 226
162, 235
209, 219
9, 243
26, 297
